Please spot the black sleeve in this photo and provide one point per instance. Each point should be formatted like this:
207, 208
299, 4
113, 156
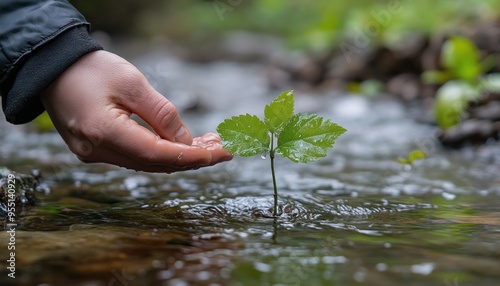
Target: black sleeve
38, 41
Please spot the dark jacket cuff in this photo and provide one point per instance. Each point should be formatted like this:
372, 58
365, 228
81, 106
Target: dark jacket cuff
22, 101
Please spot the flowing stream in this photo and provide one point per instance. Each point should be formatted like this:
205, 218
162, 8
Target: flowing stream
356, 217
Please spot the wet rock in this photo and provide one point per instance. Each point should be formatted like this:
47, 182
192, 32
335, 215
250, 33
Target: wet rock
482, 123
407, 86
245, 46
470, 132
490, 111
296, 69
430, 59
347, 65
387, 63
487, 36
25, 187
350, 67
238, 46
103, 254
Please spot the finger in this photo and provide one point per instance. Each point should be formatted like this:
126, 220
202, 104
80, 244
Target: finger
103, 154
212, 142
133, 141
110, 156
162, 115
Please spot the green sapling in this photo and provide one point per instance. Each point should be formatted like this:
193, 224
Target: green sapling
299, 137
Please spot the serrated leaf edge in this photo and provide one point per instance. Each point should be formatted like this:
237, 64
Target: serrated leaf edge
341, 131
277, 129
233, 146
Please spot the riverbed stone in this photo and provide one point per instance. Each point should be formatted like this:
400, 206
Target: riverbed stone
469, 132
25, 187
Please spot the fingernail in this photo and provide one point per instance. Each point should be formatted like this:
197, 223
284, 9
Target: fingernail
227, 158
179, 133
183, 136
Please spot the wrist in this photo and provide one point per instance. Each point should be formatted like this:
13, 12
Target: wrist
43, 66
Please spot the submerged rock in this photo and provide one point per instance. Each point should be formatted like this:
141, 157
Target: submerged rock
469, 132
482, 124
24, 195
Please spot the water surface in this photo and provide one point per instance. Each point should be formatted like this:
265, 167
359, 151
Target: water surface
356, 217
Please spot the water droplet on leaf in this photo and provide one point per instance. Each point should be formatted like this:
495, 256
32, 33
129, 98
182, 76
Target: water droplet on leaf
263, 155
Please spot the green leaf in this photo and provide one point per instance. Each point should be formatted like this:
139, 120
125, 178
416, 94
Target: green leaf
279, 111
489, 62
44, 123
436, 77
402, 161
451, 101
412, 157
461, 56
371, 87
244, 135
416, 155
307, 137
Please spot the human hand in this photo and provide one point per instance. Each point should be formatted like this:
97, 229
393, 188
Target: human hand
91, 104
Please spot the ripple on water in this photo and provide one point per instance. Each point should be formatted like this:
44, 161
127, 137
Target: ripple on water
356, 209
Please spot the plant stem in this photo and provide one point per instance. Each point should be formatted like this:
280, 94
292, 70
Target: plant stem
271, 155
275, 230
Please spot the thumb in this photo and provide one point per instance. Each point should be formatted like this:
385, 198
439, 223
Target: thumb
162, 116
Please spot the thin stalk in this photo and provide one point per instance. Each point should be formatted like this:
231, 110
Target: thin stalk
271, 155
275, 230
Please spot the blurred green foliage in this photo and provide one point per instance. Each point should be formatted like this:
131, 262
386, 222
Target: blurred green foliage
304, 24
461, 60
451, 101
413, 156
43, 122
116, 17
464, 79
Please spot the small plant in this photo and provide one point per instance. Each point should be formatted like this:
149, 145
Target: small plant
463, 79
299, 137
460, 59
413, 156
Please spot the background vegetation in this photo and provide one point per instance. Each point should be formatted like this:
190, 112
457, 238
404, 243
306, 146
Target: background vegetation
303, 24
416, 50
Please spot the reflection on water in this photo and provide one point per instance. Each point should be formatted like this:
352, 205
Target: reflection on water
356, 217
